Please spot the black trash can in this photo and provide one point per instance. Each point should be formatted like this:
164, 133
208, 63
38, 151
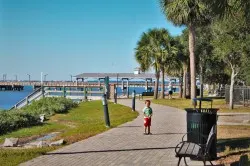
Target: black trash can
199, 123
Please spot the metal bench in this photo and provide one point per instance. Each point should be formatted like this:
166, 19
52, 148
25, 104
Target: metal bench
195, 151
146, 94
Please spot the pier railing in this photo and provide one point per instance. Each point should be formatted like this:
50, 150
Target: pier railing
33, 96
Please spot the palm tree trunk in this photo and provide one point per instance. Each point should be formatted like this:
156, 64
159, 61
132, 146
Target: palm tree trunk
188, 89
162, 84
184, 81
157, 75
192, 60
180, 87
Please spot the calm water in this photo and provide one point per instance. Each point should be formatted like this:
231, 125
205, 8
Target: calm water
9, 98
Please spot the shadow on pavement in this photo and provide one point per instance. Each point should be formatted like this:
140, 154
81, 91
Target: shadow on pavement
166, 133
115, 150
128, 126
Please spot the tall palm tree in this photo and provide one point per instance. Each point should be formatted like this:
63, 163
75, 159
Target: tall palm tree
147, 59
190, 13
164, 49
179, 65
152, 50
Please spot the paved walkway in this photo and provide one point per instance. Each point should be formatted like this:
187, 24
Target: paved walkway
125, 145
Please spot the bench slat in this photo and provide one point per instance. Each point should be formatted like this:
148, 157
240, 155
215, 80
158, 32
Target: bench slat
183, 148
196, 150
189, 148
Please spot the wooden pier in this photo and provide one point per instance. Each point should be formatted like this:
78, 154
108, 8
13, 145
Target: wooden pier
20, 85
11, 87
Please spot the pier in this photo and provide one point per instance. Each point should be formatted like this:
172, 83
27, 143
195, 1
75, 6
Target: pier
11, 87
37, 84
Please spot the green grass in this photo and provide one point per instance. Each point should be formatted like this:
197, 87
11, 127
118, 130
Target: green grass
186, 103
12, 157
35, 130
80, 123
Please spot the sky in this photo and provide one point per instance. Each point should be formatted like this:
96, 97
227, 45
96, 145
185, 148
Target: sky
69, 37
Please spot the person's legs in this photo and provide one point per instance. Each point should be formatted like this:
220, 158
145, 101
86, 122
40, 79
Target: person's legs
145, 130
149, 124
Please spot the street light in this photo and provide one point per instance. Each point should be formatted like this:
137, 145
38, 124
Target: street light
4, 77
45, 77
71, 77
16, 77
29, 77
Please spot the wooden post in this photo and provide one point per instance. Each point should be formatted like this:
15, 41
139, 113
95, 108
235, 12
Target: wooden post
85, 94
128, 88
122, 85
27, 100
146, 85
64, 92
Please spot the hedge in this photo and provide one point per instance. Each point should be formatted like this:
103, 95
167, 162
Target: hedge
30, 115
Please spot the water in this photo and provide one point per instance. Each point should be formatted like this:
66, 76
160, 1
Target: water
9, 98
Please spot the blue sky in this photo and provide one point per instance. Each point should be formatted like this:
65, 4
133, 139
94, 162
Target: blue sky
63, 37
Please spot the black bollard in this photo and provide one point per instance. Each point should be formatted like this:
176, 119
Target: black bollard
115, 96
133, 101
106, 110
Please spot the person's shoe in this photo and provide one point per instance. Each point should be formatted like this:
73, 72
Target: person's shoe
145, 133
149, 133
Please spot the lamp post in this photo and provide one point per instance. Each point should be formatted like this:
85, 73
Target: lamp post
29, 77
4, 77
45, 77
16, 77
133, 100
71, 77
105, 110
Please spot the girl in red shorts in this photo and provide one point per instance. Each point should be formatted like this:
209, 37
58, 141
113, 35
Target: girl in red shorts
148, 112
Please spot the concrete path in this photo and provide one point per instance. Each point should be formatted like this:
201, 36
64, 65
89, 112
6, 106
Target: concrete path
126, 145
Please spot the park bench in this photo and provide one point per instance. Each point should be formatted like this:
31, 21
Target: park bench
146, 94
196, 151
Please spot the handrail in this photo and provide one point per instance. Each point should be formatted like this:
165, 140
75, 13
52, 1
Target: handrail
24, 99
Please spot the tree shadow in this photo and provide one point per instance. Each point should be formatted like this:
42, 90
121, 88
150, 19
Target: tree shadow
128, 126
167, 133
233, 143
114, 150
243, 161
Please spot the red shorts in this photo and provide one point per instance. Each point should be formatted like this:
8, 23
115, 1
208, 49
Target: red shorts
147, 122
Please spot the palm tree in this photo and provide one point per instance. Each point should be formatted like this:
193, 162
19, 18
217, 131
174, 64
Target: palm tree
146, 59
164, 49
190, 13
152, 51
179, 64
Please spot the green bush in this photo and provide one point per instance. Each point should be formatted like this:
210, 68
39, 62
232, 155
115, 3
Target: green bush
14, 119
30, 115
50, 106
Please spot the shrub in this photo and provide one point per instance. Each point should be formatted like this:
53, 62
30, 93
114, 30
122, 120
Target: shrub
12, 120
50, 106
30, 115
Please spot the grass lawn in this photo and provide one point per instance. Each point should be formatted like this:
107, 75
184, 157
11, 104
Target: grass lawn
80, 123
11, 157
186, 103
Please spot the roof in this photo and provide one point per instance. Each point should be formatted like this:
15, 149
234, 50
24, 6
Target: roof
115, 75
